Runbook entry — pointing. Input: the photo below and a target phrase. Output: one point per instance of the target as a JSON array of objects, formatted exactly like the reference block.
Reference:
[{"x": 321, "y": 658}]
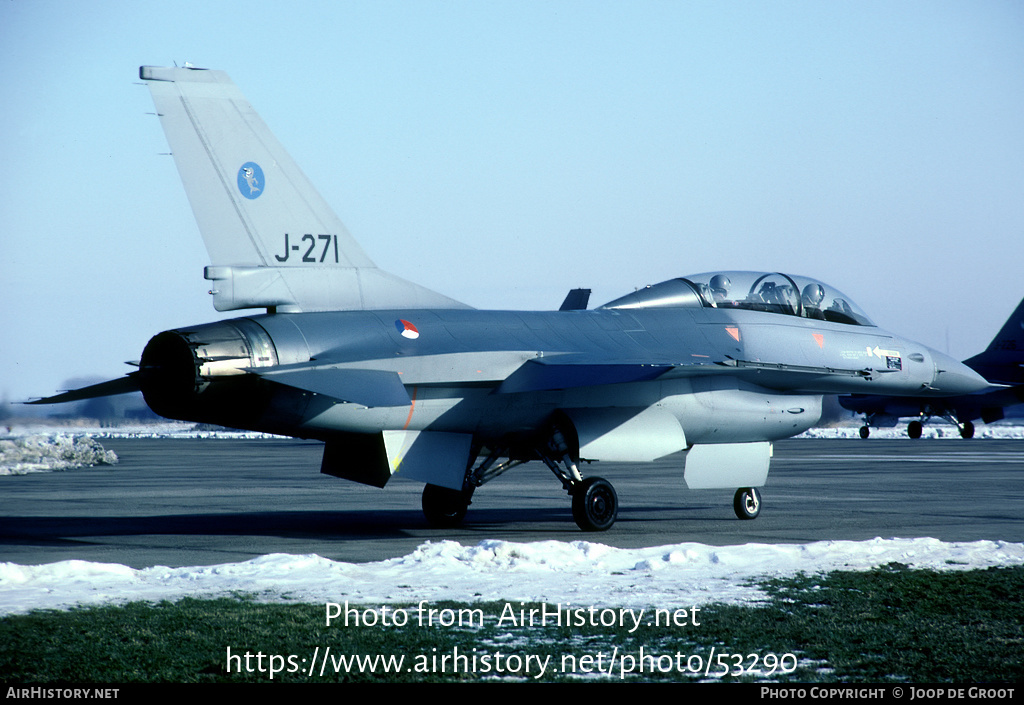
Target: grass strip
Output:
[{"x": 888, "y": 624}]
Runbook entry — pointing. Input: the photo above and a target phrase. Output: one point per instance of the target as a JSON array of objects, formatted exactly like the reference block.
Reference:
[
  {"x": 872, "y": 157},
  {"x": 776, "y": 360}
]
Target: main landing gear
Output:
[
  {"x": 445, "y": 508},
  {"x": 965, "y": 428},
  {"x": 595, "y": 505},
  {"x": 594, "y": 502},
  {"x": 916, "y": 427}
]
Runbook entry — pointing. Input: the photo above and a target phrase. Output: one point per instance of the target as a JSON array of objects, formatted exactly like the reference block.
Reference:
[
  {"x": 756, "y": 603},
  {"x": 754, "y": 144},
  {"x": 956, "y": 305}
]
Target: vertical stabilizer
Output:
[
  {"x": 272, "y": 239},
  {"x": 1003, "y": 359}
]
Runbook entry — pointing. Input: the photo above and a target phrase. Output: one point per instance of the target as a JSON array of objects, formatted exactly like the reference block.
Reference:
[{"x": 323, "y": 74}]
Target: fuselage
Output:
[{"x": 728, "y": 375}]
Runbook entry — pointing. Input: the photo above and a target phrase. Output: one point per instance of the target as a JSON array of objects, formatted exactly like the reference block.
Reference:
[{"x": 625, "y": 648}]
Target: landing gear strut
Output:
[
  {"x": 594, "y": 502},
  {"x": 595, "y": 506},
  {"x": 965, "y": 428}
]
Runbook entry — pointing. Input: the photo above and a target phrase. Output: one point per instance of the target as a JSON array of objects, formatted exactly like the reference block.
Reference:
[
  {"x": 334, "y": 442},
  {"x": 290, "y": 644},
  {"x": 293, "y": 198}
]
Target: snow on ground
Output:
[
  {"x": 19, "y": 456},
  {"x": 155, "y": 429},
  {"x": 26, "y": 449},
  {"x": 581, "y": 573},
  {"x": 181, "y": 429},
  {"x": 939, "y": 430}
]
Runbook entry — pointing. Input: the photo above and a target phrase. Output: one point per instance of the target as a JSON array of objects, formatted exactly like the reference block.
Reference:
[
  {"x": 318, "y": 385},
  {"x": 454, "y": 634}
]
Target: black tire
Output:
[
  {"x": 967, "y": 430},
  {"x": 914, "y": 429},
  {"x": 595, "y": 505},
  {"x": 865, "y": 431},
  {"x": 747, "y": 503},
  {"x": 444, "y": 508}
]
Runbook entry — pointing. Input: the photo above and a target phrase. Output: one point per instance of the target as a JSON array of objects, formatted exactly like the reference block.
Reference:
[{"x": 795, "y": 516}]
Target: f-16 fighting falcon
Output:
[
  {"x": 1001, "y": 363},
  {"x": 397, "y": 379}
]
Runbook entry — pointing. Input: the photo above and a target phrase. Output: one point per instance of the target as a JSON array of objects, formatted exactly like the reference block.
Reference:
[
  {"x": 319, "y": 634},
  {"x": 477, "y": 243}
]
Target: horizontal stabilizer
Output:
[
  {"x": 365, "y": 387},
  {"x": 122, "y": 385}
]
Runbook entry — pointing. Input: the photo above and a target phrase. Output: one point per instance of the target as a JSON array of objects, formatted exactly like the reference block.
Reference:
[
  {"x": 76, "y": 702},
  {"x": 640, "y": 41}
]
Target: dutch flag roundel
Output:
[{"x": 407, "y": 330}]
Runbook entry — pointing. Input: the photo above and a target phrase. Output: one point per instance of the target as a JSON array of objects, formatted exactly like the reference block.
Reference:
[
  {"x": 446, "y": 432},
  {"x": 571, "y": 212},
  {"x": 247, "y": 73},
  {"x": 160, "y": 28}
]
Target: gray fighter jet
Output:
[
  {"x": 1002, "y": 364},
  {"x": 395, "y": 378}
]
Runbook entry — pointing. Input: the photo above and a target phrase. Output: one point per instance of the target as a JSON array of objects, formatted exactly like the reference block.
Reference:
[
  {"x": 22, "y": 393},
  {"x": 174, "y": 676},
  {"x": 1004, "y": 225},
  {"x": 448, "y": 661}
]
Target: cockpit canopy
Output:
[{"x": 772, "y": 292}]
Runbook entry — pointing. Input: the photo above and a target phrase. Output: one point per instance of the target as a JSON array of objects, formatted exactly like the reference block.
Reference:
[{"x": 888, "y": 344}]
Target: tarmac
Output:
[{"x": 190, "y": 502}]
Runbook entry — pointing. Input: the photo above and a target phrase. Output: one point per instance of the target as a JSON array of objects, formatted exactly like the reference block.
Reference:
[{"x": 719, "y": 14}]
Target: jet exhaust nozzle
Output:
[{"x": 183, "y": 371}]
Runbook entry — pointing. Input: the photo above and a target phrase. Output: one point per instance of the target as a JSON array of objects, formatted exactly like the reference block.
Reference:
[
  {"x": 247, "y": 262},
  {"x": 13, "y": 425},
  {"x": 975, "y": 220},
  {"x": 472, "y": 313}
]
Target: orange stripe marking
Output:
[{"x": 411, "y": 409}]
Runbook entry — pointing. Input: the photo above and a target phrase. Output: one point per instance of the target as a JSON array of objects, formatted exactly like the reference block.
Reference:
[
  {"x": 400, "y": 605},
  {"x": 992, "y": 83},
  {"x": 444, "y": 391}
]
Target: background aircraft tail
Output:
[
  {"x": 273, "y": 241},
  {"x": 1003, "y": 359}
]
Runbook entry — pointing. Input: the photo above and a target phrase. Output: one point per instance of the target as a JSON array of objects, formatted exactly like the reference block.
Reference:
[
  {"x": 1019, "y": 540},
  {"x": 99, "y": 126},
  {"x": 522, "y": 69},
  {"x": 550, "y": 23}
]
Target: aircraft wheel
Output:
[
  {"x": 747, "y": 503},
  {"x": 865, "y": 431},
  {"x": 967, "y": 430},
  {"x": 444, "y": 508},
  {"x": 595, "y": 505},
  {"x": 914, "y": 429}
]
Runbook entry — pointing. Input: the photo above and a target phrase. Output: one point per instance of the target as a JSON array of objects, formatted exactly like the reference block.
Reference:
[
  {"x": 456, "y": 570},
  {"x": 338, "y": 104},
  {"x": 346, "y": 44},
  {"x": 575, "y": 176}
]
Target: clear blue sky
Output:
[{"x": 504, "y": 152}]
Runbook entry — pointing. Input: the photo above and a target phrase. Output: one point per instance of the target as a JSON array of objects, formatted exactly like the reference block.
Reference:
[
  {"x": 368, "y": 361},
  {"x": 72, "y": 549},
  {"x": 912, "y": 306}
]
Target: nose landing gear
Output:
[{"x": 747, "y": 503}]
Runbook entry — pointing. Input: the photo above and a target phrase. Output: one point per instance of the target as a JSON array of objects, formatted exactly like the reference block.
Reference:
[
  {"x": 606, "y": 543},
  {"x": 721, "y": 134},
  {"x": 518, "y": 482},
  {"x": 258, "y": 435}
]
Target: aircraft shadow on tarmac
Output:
[{"x": 322, "y": 525}]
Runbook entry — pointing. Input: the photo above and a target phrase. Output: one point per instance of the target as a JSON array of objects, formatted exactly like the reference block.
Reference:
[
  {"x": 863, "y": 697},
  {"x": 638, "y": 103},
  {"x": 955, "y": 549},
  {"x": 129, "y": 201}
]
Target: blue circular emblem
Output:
[{"x": 250, "y": 180}]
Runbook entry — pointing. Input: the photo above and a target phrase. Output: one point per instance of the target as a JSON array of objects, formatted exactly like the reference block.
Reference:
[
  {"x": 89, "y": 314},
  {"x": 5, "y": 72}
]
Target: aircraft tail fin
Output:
[
  {"x": 272, "y": 239},
  {"x": 1003, "y": 359}
]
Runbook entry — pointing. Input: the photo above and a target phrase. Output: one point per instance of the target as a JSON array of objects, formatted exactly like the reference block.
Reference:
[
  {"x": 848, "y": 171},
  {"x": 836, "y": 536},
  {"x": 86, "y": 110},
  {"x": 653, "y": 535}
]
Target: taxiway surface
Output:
[{"x": 181, "y": 502}]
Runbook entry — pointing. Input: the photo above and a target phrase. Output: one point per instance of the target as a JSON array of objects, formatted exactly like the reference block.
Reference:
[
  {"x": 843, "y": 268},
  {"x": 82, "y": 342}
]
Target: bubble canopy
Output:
[{"x": 771, "y": 292}]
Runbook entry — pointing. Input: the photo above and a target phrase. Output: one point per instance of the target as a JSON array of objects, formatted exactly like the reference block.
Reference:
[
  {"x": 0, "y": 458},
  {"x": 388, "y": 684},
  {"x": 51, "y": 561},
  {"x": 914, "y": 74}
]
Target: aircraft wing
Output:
[
  {"x": 376, "y": 387},
  {"x": 366, "y": 387}
]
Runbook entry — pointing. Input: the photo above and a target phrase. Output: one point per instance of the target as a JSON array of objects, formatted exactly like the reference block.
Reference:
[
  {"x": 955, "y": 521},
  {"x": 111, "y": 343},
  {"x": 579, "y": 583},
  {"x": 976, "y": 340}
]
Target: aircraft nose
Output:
[{"x": 954, "y": 378}]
